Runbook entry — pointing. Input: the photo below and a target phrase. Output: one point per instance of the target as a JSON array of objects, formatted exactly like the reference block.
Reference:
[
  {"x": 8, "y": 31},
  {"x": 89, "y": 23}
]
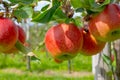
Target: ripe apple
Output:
[
  {"x": 8, "y": 34},
  {"x": 21, "y": 38},
  {"x": 106, "y": 25},
  {"x": 91, "y": 45},
  {"x": 63, "y": 41}
]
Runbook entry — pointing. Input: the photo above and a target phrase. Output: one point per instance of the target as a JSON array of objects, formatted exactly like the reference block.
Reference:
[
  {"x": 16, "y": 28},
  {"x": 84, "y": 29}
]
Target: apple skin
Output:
[
  {"x": 91, "y": 45},
  {"x": 21, "y": 38},
  {"x": 105, "y": 26},
  {"x": 8, "y": 34},
  {"x": 63, "y": 41},
  {"x": 21, "y": 35}
]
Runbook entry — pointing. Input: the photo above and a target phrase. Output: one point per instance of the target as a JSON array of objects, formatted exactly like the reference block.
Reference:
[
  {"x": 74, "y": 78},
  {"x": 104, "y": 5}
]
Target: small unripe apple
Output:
[
  {"x": 105, "y": 26},
  {"x": 63, "y": 41},
  {"x": 91, "y": 45},
  {"x": 21, "y": 38},
  {"x": 8, "y": 34}
]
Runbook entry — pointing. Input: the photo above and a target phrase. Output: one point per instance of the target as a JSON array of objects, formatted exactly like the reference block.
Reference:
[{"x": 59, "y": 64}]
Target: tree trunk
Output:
[
  {"x": 26, "y": 28},
  {"x": 117, "y": 48},
  {"x": 101, "y": 68}
]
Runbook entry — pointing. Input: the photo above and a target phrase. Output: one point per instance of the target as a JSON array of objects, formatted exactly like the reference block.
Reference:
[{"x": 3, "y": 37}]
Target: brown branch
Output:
[{"x": 67, "y": 8}]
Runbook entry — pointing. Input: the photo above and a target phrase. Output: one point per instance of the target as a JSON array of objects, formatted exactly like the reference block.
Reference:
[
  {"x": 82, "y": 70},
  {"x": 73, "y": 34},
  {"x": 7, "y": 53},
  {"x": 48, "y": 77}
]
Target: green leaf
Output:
[
  {"x": 33, "y": 57},
  {"x": 21, "y": 47},
  {"x": 98, "y": 7},
  {"x": 78, "y": 22},
  {"x": 80, "y": 3},
  {"x": 55, "y": 2},
  {"x": 23, "y": 12},
  {"x": 46, "y": 15},
  {"x": 59, "y": 16},
  {"x": 107, "y": 60},
  {"x": 45, "y": 7},
  {"x": 26, "y": 2},
  {"x": 79, "y": 10},
  {"x": 109, "y": 73},
  {"x": 89, "y": 4},
  {"x": 113, "y": 53}
]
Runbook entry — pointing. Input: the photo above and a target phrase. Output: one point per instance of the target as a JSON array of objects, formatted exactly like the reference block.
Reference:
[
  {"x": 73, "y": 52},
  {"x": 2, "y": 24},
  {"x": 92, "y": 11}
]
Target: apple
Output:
[
  {"x": 21, "y": 38},
  {"x": 63, "y": 41},
  {"x": 105, "y": 26},
  {"x": 91, "y": 45},
  {"x": 8, "y": 34}
]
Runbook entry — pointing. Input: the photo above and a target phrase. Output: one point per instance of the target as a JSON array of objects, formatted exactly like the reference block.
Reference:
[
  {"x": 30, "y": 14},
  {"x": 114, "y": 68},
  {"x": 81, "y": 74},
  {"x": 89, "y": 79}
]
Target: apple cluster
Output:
[
  {"x": 10, "y": 33},
  {"x": 65, "y": 41}
]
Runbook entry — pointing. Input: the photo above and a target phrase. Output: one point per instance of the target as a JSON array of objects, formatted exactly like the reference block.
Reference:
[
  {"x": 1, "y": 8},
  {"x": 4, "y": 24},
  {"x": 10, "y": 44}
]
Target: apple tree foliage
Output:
[{"x": 76, "y": 11}]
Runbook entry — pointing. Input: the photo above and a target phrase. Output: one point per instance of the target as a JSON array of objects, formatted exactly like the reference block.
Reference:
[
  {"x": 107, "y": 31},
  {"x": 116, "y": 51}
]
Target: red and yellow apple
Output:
[
  {"x": 105, "y": 26},
  {"x": 63, "y": 41},
  {"x": 91, "y": 45},
  {"x": 8, "y": 34},
  {"x": 21, "y": 38}
]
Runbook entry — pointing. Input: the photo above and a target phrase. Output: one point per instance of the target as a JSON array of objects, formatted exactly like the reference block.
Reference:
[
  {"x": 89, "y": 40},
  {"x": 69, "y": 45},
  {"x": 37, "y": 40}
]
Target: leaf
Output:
[
  {"x": 45, "y": 7},
  {"x": 25, "y": 50},
  {"x": 79, "y": 10},
  {"x": 23, "y": 12},
  {"x": 33, "y": 57},
  {"x": 46, "y": 15},
  {"x": 21, "y": 47},
  {"x": 97, "y": 7},
  {"x": 107, "y": 60},
  {"x": 113, "y": 53},
  {"x": 59, "y": 16},
  {"x": 35, "y": 13},
  {"x": 109, "y": 73},
  {"x": 55, "y": 2},
  {"x": 78, "y": 22},
  {"x": 80, "y": 3},
  {"x": 89, "y": 5},
  {"x": 26, "y": 2}
]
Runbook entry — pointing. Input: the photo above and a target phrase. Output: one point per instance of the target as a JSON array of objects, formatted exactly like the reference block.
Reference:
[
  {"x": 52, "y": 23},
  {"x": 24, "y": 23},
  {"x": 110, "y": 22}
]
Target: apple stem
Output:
[
  {"x": 86, "y": 28},
  {"x": 99, "y": 1},
  {"x": 6, "y": 6}
]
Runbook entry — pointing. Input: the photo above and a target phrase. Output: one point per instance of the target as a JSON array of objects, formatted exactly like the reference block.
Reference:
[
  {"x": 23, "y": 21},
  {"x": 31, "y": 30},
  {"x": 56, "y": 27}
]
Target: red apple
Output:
[
  {"x": 63, "y": 41},
  {"x": 91, "y": 45},
  {"x": 106, "y": 25},
  {"x": 21, "y": 38},
  {"x": 8, "y": 34}
]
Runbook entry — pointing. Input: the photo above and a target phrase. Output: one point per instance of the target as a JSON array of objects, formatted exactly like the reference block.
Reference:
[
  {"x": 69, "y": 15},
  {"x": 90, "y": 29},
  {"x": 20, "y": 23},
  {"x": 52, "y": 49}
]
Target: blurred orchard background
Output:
[{"x": 17, "y": 66}]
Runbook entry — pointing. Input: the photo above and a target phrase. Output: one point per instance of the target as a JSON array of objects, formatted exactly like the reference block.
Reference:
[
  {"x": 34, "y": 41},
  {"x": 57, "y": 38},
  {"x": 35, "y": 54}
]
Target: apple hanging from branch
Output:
[
  {"x": 8, "y": 34},
  {"x": 105, "y": 26},
  {"x": 63, "y": 41},
  {"x": 91, "y": 45},
  {"x": 21, "y": 38}
]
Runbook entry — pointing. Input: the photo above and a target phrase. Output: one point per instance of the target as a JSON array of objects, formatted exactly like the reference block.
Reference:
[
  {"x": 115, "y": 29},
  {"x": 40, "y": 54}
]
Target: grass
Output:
[
  {"x": 79, "y": 63},
  {"x": 26, "y": 76},
  {"x": 18, "y": 62}
]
